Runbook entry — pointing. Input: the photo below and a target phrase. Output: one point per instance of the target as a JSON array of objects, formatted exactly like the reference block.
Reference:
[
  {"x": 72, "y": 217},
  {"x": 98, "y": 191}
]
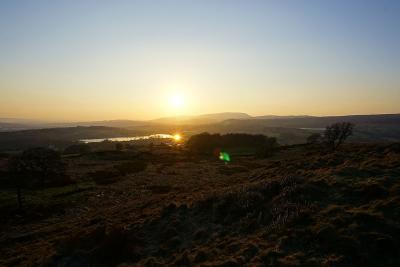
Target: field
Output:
[{"x": 300, "y": 207}]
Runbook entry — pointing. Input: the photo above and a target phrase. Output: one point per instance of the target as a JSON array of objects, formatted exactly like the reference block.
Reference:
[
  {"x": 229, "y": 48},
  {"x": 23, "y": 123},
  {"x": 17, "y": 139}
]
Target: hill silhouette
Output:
[{"x": 203, "y": 119}]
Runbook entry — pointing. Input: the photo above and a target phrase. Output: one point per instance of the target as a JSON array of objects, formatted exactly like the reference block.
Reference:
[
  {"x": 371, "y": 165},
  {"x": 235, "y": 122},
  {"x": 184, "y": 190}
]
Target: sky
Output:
[{"x": 99, "y": 60}]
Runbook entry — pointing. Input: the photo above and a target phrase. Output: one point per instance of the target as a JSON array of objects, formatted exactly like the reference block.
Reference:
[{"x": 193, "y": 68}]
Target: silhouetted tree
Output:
[
  {"x": 335, "y": 134},
  {"x": 18, "y": 175},
  {"x": 36, "y": 166},
  {"x": 314, "y": 138}
]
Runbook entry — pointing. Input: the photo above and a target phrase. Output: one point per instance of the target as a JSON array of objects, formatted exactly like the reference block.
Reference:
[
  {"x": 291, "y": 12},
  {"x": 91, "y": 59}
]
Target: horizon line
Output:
[{"x": 182, "y": 116}]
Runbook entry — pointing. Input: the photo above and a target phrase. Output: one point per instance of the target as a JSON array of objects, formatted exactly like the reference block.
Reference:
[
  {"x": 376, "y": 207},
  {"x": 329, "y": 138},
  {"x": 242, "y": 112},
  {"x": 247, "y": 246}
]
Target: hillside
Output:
[
  {"x": 57, "y": 137},
  {"x": 302, "y": 207},
  {"x": 10, "y": 124},
  {"x": 288, "y": 130},
  {"x": 6, "y": 126}
]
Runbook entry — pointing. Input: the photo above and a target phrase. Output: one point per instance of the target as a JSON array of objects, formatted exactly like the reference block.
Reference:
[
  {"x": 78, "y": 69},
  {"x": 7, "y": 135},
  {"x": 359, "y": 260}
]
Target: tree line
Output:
[{"x": 206, "y": 143}]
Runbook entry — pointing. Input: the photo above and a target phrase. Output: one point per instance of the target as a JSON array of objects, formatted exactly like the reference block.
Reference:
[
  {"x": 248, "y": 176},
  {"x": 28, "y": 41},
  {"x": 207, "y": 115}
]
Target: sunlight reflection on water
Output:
[{"x": 132, "y": 138}]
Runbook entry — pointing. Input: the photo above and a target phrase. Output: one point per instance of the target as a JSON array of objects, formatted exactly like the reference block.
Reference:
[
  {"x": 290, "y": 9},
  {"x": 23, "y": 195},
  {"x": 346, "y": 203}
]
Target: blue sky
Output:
[{"x": 78, "y": 60}]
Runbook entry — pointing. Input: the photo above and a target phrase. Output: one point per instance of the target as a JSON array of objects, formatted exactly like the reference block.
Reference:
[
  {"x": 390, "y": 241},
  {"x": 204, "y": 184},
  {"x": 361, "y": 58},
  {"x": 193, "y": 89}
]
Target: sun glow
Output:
[
  {"x": 177, "y": 137},
  {"x": 176, "y": 101}
]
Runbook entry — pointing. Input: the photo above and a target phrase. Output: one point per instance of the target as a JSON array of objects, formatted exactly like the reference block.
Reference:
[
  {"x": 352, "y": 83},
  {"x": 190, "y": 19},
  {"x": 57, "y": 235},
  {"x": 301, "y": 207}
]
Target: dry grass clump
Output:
[
  {"x": 131, "y": 167},
  {"x": 115, "y": 173},
  {"x": 270, "y": 203},
  {"x": 99, "y": 246},
  {"x": 105, "y": 177}
]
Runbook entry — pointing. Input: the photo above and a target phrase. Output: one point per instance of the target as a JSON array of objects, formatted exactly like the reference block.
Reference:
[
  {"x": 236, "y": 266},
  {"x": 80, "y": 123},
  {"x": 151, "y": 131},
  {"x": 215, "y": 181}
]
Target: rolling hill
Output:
[{"x": 287, "y": 129}]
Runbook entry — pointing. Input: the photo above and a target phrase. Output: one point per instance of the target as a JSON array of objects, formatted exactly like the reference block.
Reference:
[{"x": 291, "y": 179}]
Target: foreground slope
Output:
[{"x": 302, "y": 207}]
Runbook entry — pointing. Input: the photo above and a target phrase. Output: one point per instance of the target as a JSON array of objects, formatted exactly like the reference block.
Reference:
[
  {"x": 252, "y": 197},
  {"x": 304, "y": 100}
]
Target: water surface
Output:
[{"x": 129, "y": 138}]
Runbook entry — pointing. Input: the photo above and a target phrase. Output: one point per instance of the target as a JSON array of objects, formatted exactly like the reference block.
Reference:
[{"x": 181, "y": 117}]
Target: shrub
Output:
[
  {"x": 131, "y": 167},
  {"x": 78, "y": 149}
]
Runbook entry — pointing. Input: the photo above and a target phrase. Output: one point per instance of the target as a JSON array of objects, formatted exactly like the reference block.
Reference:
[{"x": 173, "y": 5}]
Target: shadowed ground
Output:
[{"x": 301, "y": 207}]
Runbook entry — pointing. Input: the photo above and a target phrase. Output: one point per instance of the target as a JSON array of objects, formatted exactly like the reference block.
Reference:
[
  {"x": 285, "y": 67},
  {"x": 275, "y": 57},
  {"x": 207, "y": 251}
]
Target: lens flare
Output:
[{"x": 224, "y": 156}]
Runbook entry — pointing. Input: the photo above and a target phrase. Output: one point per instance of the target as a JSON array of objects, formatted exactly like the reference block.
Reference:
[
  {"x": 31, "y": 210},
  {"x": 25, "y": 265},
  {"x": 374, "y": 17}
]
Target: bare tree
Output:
[
  {"x": 335, "y": 134},
  {"x": 18, "y": 175},
  {"x": 35, "y": 166}
]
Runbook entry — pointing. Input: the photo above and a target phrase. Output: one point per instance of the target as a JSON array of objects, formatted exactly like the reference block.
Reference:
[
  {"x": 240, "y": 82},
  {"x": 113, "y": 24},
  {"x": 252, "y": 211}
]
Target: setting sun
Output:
[
  {"x": 177, "y": 137},
  {"x": 176, "y": 100}
]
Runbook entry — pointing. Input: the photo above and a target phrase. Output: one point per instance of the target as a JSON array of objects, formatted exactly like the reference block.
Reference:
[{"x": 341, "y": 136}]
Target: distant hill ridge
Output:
[
  {"x": 9, "y": 124},
  {"x": 203, "y": 119},
  {"x": 287, "y": 129}
]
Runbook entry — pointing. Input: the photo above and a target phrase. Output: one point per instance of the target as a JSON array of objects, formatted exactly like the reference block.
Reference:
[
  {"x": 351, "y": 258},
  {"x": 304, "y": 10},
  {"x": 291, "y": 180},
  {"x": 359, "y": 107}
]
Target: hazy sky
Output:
[{"x": 87, "y": 60}]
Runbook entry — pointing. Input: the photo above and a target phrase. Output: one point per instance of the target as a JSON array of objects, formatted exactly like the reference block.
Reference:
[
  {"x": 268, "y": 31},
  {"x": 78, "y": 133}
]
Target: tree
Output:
[
  {"x": 206, "y": 143},
  {"x": 335, "y": 134},
  {"x": 18, "y": 173},
  {"x": 314, "y": 138},
  {"x": 35, "y": 166}
]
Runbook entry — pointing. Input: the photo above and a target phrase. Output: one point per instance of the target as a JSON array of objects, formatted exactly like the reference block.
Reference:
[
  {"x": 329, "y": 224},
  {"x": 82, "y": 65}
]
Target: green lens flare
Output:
[{"x": 224, "y": 156}]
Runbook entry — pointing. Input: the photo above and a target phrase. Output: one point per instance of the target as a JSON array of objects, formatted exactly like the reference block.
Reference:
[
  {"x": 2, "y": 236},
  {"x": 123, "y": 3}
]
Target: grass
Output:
[
  {"x": 44, "y": 199},
  {"x": 242, "y": 151},
  {"x": 300, "y": 207}
]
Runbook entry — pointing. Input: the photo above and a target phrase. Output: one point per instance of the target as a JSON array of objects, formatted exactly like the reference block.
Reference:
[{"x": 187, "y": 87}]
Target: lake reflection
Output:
[{"x": 132, "y": 138}]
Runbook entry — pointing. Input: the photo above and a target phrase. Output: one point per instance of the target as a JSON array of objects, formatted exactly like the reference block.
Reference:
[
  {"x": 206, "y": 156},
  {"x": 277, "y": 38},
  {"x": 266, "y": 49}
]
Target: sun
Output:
[
  {"x": 177, "y": 137},
  {"x": 176, "y": 101}
]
